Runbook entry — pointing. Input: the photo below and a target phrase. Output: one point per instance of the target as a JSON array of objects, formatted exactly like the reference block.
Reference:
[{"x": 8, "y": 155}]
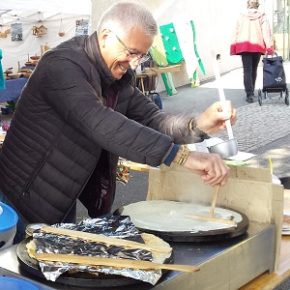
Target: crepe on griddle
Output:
[{"x": 175, "y": 216}]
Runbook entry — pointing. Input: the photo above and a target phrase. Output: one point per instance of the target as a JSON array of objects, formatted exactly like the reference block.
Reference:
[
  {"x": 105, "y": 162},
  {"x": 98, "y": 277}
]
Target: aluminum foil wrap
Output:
[{"x": 112, "y": 226}]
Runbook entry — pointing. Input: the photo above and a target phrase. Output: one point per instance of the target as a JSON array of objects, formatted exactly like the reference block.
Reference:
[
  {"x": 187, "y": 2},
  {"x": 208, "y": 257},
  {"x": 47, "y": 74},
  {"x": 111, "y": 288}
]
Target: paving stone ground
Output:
[{"x": 257, "y": 126}]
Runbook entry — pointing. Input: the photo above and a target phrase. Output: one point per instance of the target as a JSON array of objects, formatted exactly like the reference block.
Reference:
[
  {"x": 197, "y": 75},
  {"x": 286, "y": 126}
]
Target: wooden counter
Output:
[
  {"x": 165, "y": 69},
  {"x": 155, "y": 71},
  {"x": 269, "y": 281}
]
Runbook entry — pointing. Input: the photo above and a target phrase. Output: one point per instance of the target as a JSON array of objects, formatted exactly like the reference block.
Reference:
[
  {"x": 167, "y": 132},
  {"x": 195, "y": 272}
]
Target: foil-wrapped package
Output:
[{"x": 112, "y": 226}]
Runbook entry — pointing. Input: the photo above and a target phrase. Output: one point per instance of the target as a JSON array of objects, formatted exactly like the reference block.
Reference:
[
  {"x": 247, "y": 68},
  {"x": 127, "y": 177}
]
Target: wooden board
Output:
[{"x": 165, "y": 69}]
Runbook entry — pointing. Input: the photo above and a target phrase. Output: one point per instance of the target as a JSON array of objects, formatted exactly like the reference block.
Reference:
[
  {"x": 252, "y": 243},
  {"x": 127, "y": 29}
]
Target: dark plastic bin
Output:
[{"x": 285, "y": 181}]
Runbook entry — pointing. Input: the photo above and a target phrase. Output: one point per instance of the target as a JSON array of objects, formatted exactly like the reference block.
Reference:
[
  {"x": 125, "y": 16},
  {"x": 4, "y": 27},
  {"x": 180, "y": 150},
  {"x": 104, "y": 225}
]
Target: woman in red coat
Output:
[{"x": 252, "y": 39}]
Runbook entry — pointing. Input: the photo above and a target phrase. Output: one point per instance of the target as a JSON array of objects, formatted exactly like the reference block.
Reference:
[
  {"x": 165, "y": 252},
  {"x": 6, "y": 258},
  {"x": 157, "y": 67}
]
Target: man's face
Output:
[{"x": 123, "y": 51}]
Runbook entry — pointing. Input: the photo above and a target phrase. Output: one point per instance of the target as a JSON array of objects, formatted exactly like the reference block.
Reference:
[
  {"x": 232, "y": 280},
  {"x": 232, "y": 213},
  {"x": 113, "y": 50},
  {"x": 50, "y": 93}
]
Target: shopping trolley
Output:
[{"x": 274, "y": 80}]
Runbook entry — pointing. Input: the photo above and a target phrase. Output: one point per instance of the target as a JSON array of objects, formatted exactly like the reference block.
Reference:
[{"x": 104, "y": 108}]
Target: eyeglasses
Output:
[{"x": 141, "y": 57}]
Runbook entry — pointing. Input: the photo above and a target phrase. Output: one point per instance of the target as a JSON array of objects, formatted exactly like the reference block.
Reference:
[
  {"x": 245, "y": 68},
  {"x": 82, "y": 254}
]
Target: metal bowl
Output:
[{"x": 225, "y": 149}]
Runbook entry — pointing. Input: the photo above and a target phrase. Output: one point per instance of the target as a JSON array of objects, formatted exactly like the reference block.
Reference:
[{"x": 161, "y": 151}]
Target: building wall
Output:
[
  {"x": 214, "y": 22},
  {"x": 281, "y": 23}
]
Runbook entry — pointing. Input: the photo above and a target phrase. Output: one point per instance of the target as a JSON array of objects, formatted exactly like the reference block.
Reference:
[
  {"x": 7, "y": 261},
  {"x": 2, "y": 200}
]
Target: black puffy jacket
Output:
[{"x": 71, "y": 123}]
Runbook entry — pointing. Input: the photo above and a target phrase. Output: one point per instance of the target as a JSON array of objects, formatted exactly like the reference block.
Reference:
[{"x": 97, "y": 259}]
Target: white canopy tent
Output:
[
  {"x": 29, "y": 9},
  {"x": 55, "y": 15}
]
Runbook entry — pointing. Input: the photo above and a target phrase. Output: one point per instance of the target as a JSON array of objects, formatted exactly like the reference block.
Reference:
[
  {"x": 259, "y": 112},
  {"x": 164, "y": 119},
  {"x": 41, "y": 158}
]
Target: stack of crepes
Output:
[{"x": 110, "y": 245}]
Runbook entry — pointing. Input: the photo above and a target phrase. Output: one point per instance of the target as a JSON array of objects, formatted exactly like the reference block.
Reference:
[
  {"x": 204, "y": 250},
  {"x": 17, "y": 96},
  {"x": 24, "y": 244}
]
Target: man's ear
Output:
[{"x": 103, "y": 37}]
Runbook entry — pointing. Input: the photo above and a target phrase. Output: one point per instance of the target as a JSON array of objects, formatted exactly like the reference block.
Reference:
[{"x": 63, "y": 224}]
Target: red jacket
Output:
[{"x": 252, "y": 34}]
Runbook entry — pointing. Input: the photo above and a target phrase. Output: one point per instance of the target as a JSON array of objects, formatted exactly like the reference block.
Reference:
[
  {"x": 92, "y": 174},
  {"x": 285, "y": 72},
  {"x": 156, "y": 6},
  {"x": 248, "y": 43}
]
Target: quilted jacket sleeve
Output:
[{"x": 175, "y": 126}]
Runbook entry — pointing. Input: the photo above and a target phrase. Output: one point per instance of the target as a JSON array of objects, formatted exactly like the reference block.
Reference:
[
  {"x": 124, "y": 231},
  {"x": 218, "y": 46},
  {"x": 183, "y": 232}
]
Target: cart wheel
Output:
[
  {"x": 260, "y": 97},
  {"x": 286, "y": 97}
]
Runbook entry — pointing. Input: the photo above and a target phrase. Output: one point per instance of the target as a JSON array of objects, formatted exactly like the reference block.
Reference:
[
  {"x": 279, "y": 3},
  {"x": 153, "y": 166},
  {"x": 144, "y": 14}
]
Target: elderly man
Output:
[{"x": 79, "y": 113}]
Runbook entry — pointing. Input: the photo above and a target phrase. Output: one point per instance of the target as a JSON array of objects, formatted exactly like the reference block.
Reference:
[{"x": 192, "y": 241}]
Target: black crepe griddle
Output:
[
  {"x": 78, "y": 279},
  {"x": 201, "y": 236}
]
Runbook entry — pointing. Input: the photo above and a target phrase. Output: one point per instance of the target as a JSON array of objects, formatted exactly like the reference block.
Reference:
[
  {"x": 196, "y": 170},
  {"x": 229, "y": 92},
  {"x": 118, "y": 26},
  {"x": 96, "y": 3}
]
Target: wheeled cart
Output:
[{"x": 274, "y": 80}]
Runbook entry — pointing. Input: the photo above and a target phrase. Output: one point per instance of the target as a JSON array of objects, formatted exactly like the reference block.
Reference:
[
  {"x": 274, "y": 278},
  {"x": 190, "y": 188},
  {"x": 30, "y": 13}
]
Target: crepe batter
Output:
[{"x": 173, "y": 216}]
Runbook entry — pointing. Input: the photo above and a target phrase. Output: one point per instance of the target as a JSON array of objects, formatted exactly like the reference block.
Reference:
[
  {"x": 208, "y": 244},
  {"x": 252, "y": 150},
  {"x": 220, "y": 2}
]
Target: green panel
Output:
[
  {"x": 2, "y": 80},
  {"x": 200, "y": 63},
  {"x": 171, "y": 44},
  {"x": 166, "y": 84}
]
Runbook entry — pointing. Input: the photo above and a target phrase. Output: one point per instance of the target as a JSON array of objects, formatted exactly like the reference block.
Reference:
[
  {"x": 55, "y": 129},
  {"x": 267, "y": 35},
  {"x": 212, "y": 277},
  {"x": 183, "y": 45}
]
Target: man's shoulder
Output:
[{"x": 71, "y": 49}]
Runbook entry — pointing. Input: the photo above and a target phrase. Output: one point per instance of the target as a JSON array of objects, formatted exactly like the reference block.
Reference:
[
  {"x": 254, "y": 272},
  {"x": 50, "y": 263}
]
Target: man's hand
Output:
[
  {"x": 210, "y": 167},
  {"x": 213, "y": 118}
]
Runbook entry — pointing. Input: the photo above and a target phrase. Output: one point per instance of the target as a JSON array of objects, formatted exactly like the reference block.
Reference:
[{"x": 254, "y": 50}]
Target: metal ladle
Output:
[{"x": 227, "y": 148}]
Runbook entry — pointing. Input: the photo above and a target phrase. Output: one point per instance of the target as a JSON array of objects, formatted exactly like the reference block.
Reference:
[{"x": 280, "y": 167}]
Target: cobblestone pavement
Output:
[
  {"x": 257, "y": 126},
  {"x": 265, "y": 131}
]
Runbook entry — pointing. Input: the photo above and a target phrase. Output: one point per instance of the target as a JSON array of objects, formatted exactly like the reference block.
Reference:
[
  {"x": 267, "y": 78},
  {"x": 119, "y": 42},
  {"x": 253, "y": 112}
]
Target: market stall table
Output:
[
  {"x": 227, "y": 264},
  {"x": 248, "y": 253},
  {"x": 274, "y": 279},
  {"x": 13, "y": 90}
]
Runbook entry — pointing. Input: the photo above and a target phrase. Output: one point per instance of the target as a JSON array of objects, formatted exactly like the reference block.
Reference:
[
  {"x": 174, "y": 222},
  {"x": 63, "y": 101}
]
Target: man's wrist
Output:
[
  {"x": 172, "y": 154},
  {"x": 182, "y": 155}
]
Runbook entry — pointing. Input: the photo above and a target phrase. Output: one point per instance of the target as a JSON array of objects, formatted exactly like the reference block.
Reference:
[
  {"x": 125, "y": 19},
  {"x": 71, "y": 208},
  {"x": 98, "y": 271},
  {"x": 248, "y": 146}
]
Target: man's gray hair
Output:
[{"x": 126, "y": 15}]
